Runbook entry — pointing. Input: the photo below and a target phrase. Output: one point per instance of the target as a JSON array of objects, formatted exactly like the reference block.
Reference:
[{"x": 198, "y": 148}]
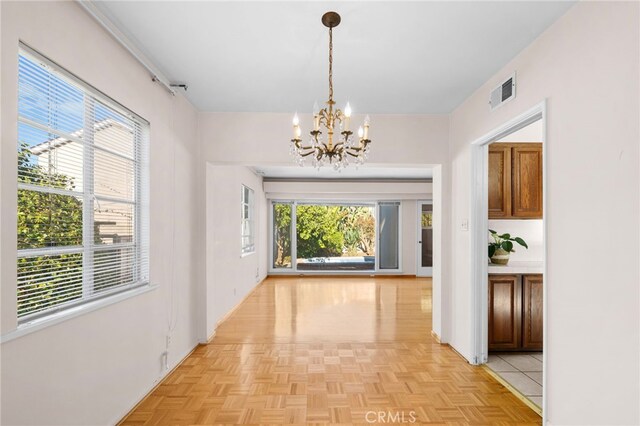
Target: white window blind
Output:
[
  {"x": 247, "y": 233},
  {"x": 82, "y": 191}
]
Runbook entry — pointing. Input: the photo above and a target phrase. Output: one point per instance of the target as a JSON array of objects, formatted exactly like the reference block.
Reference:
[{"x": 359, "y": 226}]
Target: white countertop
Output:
[{"x": 517, "y": 267}]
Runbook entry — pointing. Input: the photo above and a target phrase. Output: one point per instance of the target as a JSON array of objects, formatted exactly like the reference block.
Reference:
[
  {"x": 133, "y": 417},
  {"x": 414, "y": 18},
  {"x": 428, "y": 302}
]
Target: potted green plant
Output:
[{"x": 502, "y": 246}]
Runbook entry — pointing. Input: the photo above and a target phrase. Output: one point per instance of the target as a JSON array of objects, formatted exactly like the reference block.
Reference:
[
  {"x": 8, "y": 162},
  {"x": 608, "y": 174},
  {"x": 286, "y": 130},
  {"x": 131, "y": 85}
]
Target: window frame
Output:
[
  {"x": 90, "y": 296},
  {"x": 293, "y": 270},
  {"x": 247, "y": 204}
]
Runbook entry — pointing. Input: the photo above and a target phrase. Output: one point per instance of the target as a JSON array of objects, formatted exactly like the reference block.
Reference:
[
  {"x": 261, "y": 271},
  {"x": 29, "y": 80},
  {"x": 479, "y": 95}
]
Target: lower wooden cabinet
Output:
[
  {"x": 504, "y": 316},
  {"x": 532, "y": 312},
  {"x": 515, "y": 312}
]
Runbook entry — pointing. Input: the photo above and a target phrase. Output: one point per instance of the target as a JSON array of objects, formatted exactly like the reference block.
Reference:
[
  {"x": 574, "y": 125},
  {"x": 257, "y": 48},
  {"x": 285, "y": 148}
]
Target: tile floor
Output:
[{"x": 522, "y": 370}]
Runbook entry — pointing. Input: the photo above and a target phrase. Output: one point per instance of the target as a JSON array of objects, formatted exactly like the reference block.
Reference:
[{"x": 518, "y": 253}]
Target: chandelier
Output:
[{"x": 322, "y": 148}]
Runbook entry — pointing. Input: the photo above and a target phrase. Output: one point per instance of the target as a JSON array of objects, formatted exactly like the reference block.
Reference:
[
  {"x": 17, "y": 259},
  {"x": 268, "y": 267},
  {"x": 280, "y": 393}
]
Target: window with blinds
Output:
[
  {"x": 82, "y": 191},
  {"x": 247, "y": 233}
]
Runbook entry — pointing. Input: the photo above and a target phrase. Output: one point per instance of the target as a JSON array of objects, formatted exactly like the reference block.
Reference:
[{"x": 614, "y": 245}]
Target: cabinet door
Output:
[
  {"x": 499, "y": 181},
  {"x": 527, "y": 181},
  {"x": 505, "y": 320},
  {"x": 532, "y": 312}
]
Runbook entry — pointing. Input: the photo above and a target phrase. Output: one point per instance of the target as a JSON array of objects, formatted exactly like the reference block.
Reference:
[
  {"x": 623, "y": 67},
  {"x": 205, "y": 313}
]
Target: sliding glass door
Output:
[{"x": 334, "y": 237}]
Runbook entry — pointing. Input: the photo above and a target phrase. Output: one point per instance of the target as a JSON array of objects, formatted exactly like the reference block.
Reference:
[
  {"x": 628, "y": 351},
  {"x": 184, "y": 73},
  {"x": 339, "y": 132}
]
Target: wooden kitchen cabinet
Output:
[
  {"x": 505, "y": 321},
  {"x": 532, "y": 312},
  {"x": 499, "y": 181},
  {"x": 515, "y": 312},
  {"x": 515, "y": 181}
]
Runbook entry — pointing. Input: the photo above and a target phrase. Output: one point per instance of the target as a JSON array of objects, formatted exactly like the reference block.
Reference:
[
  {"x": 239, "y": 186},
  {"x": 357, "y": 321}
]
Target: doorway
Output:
[
  {"x": 521, "y": 282},
  {"x": 424, "y": 248}
]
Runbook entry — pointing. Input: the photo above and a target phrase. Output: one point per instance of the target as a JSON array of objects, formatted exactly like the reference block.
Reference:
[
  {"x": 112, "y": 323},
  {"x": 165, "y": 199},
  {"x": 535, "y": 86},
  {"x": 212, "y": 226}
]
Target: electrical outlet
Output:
[
  {"x": 165, "y": 360},
  {"x": 464, "y": 226}
]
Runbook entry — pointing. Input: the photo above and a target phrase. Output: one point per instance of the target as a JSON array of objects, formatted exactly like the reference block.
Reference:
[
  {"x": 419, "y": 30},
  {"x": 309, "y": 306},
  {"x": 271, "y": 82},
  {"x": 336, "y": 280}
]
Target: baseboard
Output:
[
  {"x": 436, "y": 337},
  {"x": 235, "y": 308},
  {"x": 457, "y": 353},
  {"x": 359, "y": 275},
  {"x": 157, "y": 384},
  {"x": 513, "y": 390}
]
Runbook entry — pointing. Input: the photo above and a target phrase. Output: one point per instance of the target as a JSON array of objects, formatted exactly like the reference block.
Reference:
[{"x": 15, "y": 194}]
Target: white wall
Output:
[
  {"x": 264, "y": 138},
  {"x": 231, "y": 276},
  {"x": 586, "y": 65},
  {"x": 93, "y": 368},
  {"x": 440, "y": 259}
]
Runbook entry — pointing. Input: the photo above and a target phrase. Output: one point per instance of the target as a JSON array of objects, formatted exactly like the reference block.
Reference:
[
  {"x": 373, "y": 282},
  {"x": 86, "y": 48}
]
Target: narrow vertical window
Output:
[
  {"x": 389, "y": 235},
  {"x": 248, "y": 221},
  {"x": 282, "y": 227},
  {"x": 82, "y": 209}
]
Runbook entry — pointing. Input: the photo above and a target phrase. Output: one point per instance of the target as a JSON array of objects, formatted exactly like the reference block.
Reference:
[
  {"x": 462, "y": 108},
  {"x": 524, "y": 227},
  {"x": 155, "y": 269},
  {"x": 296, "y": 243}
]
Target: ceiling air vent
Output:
[{"x": 503, "y": 93}]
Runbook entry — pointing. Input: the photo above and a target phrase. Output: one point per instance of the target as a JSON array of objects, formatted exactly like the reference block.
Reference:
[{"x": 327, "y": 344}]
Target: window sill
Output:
[
  {"x": 247, "y": 254},
  {"x": 58, "y": 317}
]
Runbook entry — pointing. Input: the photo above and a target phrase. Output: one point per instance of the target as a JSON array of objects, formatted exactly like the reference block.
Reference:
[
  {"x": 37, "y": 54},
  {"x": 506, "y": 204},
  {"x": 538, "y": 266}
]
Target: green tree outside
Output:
[
  {"x": 47, "y": 220},
  {"x": 332, "y": 231},
  {"x": 282, "y": 235},
  {"x": 317, "y": 231}
]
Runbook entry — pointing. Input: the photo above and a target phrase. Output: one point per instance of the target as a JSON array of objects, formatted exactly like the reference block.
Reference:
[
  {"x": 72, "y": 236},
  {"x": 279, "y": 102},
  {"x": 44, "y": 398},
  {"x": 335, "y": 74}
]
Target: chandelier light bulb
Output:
[
  {"x": 296, "y": 120},
  {"x": 360, "y": 132},
  {"x": 347, "y": 118},
  {"x": 367, "y": 120},
  {"x": 316, "y": 117}
]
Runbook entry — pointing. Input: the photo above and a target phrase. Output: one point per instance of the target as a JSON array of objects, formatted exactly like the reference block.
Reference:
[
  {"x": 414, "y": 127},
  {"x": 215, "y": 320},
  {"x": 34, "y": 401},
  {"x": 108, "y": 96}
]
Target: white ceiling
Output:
[
  {"x": 363, "y": 172},
  {"x": 389, "y": 57}
]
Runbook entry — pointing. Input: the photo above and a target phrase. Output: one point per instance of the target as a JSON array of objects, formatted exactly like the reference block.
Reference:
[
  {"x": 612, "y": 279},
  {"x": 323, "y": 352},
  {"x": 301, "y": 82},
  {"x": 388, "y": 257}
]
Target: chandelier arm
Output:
[{"x": 298, "y": 144}]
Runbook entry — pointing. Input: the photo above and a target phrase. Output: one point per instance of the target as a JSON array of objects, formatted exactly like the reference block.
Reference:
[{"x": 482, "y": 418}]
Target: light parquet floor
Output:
[{"x": 330, "y": 350}]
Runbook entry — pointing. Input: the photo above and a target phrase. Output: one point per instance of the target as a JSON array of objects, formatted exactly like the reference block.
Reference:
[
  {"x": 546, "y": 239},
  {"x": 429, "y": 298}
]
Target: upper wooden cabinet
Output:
[
  {"x": 499, "y": 181},
  {"x": 515, "y": 181}
]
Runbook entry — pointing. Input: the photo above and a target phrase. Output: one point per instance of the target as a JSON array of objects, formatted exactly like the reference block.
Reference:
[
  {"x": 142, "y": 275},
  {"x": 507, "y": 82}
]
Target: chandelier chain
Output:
[{"x": 330, "y": 64}]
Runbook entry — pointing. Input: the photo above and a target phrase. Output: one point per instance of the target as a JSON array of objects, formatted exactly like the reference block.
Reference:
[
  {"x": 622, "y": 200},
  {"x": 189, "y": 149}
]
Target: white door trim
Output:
[{"x": 478, "y": 226}]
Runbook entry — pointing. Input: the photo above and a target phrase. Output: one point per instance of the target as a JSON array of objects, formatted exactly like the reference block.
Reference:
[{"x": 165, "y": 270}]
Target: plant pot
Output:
[{"x": 500, "y": 257}]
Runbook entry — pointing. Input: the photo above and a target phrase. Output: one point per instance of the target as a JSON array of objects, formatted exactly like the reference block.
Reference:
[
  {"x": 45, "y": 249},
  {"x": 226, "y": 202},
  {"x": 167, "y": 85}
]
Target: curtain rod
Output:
[{"x": 90, "y": 7}]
